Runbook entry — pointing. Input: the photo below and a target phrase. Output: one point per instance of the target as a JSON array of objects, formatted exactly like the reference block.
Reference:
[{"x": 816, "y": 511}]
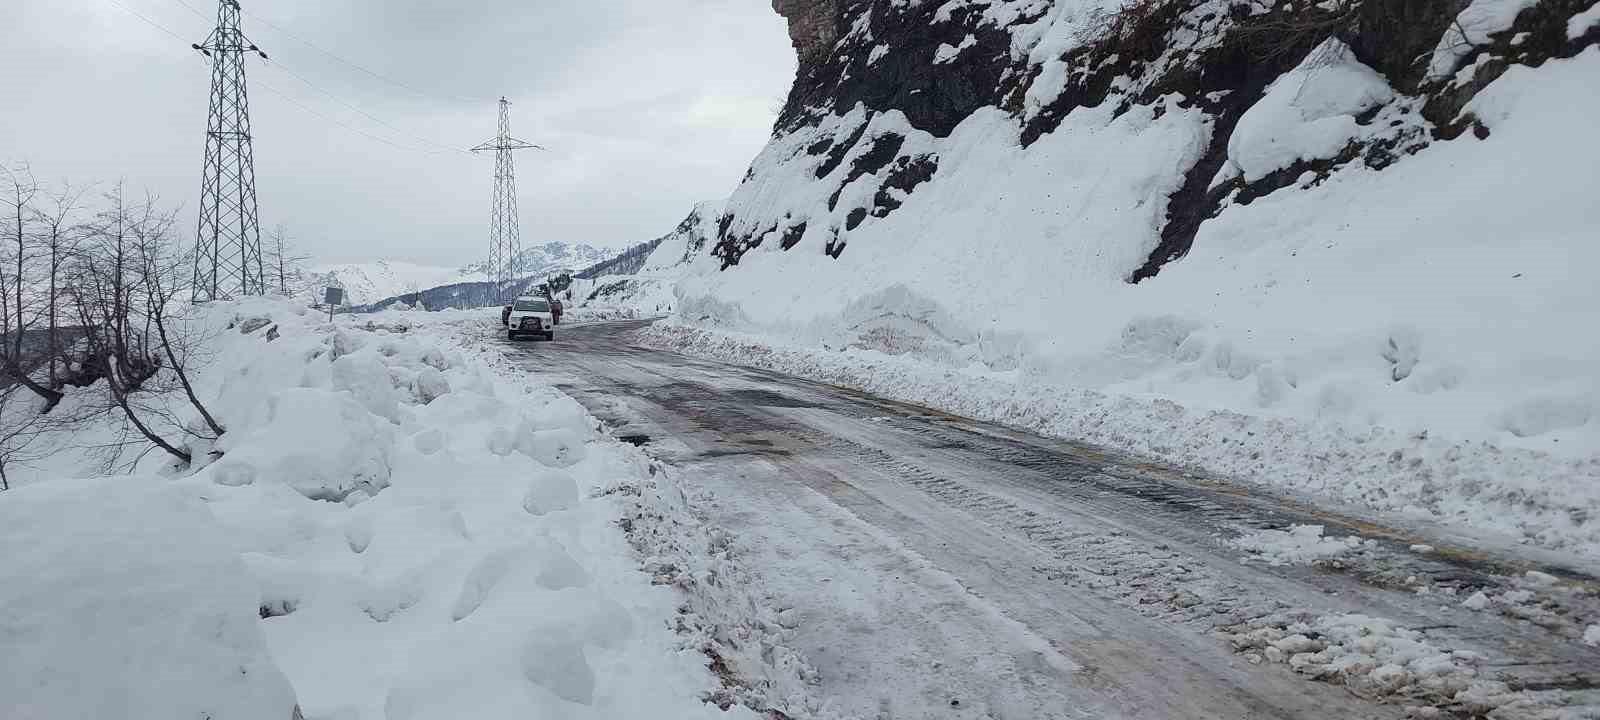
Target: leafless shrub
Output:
[
  {"x": 1134, "y": 32},
  {"x": 1296, "y": 25}
]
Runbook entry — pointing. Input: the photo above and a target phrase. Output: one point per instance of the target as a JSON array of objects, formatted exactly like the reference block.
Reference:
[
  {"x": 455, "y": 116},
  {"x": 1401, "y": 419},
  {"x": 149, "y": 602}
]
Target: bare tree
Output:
[
  {"x": 108, "y": 283},
  {"x": 17, "y": 312},
  {"x": 58, "y": 234},
  {"x": 20, "y": 429},
  {"x": 162, "y": 275},
  {"x": 286, "y": 263}
]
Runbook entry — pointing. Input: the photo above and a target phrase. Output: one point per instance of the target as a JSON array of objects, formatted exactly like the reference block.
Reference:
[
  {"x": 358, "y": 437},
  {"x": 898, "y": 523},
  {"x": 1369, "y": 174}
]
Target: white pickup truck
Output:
[{"x": 531, "y": 315}]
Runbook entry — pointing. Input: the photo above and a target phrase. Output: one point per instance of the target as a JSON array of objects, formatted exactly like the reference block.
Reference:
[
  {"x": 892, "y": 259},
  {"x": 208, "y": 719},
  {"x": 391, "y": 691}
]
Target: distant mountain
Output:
[
  {"x": 548, "y": 259},
  {"x": 374, "y": 281}
]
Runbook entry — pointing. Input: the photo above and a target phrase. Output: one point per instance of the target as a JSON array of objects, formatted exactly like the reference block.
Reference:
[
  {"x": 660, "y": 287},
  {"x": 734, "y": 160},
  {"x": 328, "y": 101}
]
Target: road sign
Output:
[{"x": 334, "y": 297}]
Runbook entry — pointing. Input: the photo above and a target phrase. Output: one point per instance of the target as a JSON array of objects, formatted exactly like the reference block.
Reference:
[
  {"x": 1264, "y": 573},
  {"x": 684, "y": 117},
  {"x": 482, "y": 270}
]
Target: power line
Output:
[
  {"x": 192, "y": 9},
  {"x": 364, "y": 113},
  {"x": 375, "y": 74},
  {"x": 290, "y": 99},
  {"x": 148, "y": 21}
]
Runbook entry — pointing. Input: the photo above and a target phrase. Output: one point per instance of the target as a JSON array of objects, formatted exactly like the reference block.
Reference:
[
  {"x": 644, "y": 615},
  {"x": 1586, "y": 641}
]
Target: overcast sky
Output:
[{"x": 646, "y": 106}]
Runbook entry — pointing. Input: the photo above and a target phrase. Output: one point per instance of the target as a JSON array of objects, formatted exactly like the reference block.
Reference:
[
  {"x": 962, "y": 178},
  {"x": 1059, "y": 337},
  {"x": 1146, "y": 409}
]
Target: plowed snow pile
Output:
[{"x": 394, "y": 529}]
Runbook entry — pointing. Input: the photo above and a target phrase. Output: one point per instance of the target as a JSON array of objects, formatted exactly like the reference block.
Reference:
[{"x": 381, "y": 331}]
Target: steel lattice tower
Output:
[
  {"x": 505, "y": 238},
  {"x": 227, "y": 261}
]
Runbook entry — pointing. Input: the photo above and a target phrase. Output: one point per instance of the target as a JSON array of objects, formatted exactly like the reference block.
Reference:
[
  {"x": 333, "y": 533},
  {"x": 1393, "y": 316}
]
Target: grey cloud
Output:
[{"x": 646, "y": 105}]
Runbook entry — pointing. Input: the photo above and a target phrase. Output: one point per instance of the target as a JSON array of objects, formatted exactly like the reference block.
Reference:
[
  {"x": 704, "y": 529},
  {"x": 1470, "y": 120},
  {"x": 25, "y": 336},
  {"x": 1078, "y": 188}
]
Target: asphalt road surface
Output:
[{"x": 948, "y": 568}]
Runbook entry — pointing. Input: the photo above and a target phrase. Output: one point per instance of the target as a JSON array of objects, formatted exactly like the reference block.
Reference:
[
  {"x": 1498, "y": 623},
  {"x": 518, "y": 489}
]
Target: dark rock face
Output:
[
  {"x": 813, "y": 25},
  {"x": 934, "y": 96},
  {"x": 1392, "y": 35}
]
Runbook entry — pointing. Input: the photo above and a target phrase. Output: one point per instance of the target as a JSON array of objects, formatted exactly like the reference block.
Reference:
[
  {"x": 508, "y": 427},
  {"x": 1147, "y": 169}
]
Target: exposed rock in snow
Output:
[
  {"x": 812, "y": 25},
  {"x": 1472, "y": 28}
]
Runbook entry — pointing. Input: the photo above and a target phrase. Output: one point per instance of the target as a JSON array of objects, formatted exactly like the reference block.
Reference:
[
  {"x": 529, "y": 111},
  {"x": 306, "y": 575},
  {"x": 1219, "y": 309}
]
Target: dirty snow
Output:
[
  {"x": 1297, "y": 545},
  {"x": 1372, "y": 656}
]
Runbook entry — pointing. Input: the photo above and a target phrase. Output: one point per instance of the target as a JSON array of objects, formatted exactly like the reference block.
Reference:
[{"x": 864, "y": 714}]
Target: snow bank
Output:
[
  {"x": 124, "y": 598},
  {"x": 416, "y": 528},
  {"x": 1531, "y": 496}
]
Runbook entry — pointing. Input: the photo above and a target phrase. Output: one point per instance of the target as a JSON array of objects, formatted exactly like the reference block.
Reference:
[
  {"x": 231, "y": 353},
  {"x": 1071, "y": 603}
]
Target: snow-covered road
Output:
[{"x": 934, "y": 566}]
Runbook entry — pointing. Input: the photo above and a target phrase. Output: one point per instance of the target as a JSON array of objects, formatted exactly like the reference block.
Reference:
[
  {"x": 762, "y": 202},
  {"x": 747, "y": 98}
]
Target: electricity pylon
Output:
[
  {"x": 227, "y": 261},
  {"x": 505, "y": 238}
]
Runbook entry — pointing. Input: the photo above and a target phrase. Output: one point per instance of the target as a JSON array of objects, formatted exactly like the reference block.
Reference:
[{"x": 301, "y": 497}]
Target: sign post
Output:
[{"x": 334, "y": 297}]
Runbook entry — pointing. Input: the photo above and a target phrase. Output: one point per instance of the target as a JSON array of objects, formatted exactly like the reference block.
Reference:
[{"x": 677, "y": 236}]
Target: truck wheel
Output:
[
  {"x": 511, "y": 335},
  {"x": 550, "y": 335}
]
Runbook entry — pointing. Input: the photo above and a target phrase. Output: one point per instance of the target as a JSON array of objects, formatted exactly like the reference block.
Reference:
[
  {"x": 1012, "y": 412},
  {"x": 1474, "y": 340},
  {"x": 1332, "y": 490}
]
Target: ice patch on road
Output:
[{"x": 1540, "y": 599}]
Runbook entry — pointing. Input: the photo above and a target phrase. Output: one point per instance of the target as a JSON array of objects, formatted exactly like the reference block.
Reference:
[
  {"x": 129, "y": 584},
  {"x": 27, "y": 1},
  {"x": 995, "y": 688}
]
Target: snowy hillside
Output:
[
  {"x": 1193, "y": 209},
  {"x": 651, "y": 288}
]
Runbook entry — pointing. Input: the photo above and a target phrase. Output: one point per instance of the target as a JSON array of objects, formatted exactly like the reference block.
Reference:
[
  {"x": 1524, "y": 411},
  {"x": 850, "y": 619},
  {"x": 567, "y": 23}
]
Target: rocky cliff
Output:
[{"x": 936, "y": 64}]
